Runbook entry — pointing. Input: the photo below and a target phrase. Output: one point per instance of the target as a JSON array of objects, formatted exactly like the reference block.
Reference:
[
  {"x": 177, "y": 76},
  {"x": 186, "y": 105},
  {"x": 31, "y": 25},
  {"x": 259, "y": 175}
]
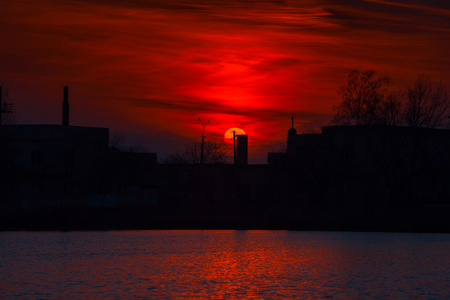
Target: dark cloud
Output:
[
  {"x": 149, "y": 4},
  {"x": 402, "y": 17},
  {"x": 212, "y": 108},
  {"x": 136, "y": 64}
]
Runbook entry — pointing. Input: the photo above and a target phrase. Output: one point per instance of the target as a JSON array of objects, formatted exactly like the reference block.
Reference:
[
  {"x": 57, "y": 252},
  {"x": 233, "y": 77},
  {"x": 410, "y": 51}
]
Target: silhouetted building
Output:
[
  {"x": 48, "y": 161},
  {"x": 241, "y": 150},
  {"x": 65, "y": 107},
  {"x": 369, "y": 166},
  {"x": 48, "y": 165}
]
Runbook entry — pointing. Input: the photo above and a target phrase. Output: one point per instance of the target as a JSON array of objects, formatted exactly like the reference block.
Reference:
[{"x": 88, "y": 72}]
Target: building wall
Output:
[
  {"x": 373, "y": 163},
  {"x": 48, "y": 161},
  {"x": 54, "y": 148}
]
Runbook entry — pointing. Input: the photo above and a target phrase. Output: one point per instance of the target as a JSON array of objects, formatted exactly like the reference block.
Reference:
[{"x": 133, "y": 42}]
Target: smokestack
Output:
[
  {"x": 242, "y": 150},
  {"x": 65, "y": 107}
]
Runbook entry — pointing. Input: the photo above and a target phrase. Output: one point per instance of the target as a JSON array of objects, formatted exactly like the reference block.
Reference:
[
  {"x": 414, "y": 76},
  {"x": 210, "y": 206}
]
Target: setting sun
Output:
[
  {"x": 228, "y": 136},
  {"x": 251, "y": 64}
]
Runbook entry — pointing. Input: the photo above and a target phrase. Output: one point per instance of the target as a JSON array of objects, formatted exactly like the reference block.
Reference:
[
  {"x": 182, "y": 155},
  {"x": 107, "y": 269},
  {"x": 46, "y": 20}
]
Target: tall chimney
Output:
[{"x": 65, "y": 107}]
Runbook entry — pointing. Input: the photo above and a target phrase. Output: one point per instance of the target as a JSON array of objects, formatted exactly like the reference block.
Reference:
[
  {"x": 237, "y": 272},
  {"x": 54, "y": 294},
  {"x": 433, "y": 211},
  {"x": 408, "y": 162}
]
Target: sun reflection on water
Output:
[{"x": 222, "y": 265}]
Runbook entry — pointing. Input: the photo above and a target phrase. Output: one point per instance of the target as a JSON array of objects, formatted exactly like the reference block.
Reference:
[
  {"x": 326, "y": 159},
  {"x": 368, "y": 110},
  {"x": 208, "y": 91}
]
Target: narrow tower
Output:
[
  {"x": 65, "y": 107},
  {"x": 241, "y": 149}
]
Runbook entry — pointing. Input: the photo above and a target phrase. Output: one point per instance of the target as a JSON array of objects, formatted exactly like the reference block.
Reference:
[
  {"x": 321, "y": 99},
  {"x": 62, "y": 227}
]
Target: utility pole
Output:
[{"x": 203, "y": 139}]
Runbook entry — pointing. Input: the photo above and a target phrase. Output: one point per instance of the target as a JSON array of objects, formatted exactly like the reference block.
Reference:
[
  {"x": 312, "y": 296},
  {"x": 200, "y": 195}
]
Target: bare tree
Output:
[
  {"x": 312, "y": 127},
  {"x": 176, "y": 158},
  {"x": 391, "y": 109},
  {"x": 365, "y": 100},
  {"x": 426, "y": 103},
  {"x": 213, "y": 153},
  {"x": 115, "y": 141},
  {"x": 7, "y": 115},
  {"x": 402, "y": 155},
  {"x": 119, "y": 143}
]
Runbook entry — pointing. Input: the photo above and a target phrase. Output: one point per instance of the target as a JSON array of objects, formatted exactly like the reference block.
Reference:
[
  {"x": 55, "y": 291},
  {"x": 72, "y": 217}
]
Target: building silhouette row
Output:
[{"x": 347, "y": 177}]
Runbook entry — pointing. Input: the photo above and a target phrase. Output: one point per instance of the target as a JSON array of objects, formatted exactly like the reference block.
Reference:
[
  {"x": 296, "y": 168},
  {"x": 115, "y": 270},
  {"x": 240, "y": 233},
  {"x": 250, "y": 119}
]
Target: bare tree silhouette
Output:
[
  {"x": 366, "y": 100},
  {"x": 7, "y": 115},
  {"x": 402, "y": 155},
  {"x": 426, "y": 103},
  {"x": 213, "y": 153}
]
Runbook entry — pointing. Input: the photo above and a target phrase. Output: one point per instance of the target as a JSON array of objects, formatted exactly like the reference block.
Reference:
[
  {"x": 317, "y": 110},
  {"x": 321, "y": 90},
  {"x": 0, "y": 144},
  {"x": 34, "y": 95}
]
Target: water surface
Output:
[{"x": 223, "y": 265}]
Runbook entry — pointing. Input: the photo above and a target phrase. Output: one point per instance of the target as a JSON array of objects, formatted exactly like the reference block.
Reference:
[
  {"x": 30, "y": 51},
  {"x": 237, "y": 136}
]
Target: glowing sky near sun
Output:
[{"x": 147, "y": 69}]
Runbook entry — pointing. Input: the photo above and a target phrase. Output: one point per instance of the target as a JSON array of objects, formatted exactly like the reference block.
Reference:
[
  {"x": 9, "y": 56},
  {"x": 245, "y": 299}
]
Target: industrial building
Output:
[
  {"x": 65, "y": 165},
  {"x": 370, "y": 164}
]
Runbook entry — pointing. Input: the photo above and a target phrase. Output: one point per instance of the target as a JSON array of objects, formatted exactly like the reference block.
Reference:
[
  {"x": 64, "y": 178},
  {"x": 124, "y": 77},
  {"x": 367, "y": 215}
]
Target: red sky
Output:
[{"x": 147, "y": 69}]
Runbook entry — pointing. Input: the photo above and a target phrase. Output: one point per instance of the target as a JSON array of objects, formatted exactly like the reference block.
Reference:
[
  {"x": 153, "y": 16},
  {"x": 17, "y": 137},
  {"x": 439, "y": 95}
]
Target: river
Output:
[{"x": 223, "y": 264}]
